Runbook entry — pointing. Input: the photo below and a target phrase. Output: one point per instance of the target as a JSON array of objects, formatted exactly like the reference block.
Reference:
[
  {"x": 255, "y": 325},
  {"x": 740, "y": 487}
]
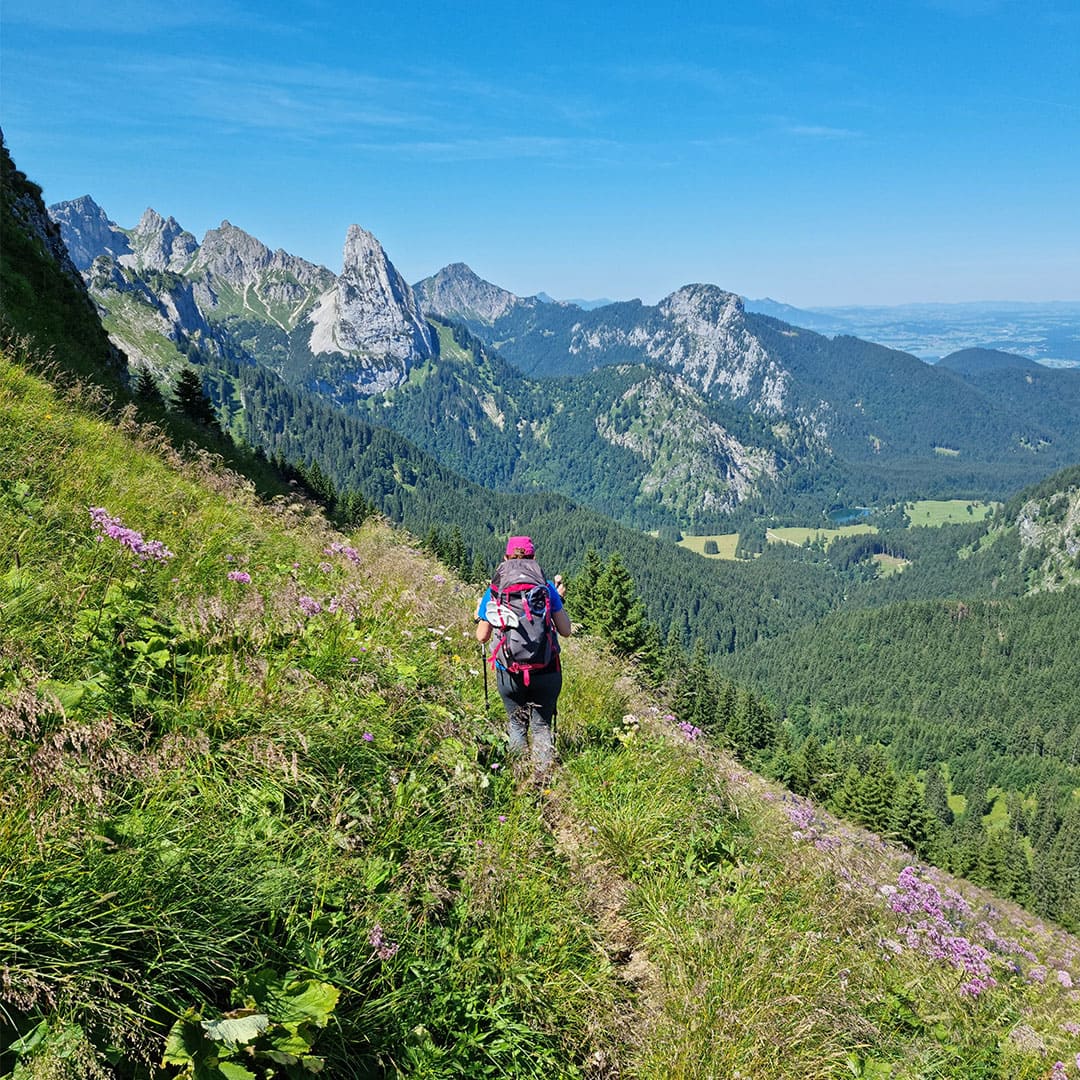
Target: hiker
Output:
[{"x": 525, "y": 613}]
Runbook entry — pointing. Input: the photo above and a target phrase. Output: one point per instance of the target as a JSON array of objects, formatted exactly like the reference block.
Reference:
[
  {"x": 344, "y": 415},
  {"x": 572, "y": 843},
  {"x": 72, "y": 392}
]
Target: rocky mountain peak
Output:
[
  {"x": 87, "y": 231},
  {"x": 371, "y": 310},
  {"x": 159, "y": 243},
  {"x": 704, "y": 303},
  {"x": 233, "y": 255},
  {"x": 457, "y": 292}
]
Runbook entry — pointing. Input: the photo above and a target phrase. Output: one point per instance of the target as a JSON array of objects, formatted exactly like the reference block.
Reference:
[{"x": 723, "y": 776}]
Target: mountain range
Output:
[{"x": 677, "y": 414}]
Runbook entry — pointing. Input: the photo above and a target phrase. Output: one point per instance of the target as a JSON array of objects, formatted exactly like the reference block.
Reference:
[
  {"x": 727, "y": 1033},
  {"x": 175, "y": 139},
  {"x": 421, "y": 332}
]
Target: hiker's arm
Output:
[
  {"x": 483, "y": 631},
  {"x": 561, "y": 621}
]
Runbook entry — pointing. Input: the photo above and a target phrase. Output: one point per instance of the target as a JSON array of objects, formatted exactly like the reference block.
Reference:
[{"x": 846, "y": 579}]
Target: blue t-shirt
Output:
[{"x": 556, "y": 600}]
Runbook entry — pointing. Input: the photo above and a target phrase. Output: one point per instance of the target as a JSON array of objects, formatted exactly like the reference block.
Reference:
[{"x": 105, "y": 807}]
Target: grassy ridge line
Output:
[{"x": 235, "y": 815}]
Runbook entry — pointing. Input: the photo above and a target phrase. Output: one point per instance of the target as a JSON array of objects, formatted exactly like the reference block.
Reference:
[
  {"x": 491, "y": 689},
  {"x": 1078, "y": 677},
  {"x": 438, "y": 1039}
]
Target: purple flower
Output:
[
  {"x": 325, "y": 567},
  {"x": 384, "y": 949},
  {"x": 502, "y": 817},
  {"x": 354, "y": 659},
  {"x": 1057, "y": 1071},
  {"x": 309, "y": 605},
  {"x": 1064, "y": 978},
  {"x": 368, "y": 737},
  {"x": 240, "y": 576},
  {"x": 350, "y": 553},
  {"x": 114, "y": 529},
  {"x": 688, "y": 730},
  {"x": 439, "y": 579}
]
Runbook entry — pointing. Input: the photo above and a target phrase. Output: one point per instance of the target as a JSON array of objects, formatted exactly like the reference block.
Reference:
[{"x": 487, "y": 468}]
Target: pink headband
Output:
[{"x": 520, "y": 543}]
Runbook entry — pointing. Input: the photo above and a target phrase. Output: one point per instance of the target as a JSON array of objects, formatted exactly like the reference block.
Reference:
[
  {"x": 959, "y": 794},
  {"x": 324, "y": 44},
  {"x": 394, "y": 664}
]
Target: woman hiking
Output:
[{"x": 524, "y": 612}]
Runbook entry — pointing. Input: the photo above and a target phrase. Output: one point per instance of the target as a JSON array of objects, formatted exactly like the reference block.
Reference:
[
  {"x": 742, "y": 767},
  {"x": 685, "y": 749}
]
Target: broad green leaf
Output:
[
  {"x": 309, "y": 1001},
  {"x": 236, "y": 1030},
  {"x": 232, "y": 1071},
  {"x": 186, "y": 1043},
  {"x": 31, "y": 1039}
]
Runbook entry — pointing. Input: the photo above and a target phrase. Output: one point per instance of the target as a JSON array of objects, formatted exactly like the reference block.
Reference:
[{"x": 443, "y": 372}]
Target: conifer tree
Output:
[
  {"x": 619, "y": 611},
  {"x": 146, "y": 389},
  {"x": 936, "y": 795},
  {"x": 581, "y": 594},
  {"x": 191, "y": 400},
  {"x": 910, "y": 821}
]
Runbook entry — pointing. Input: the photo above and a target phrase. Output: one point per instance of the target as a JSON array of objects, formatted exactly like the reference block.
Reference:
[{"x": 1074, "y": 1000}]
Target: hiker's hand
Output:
[{"x": 560, "y": 586}]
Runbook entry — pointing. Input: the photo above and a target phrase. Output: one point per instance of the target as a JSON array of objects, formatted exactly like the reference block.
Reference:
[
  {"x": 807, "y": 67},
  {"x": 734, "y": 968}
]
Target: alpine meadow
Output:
[{"x": 816, "y": 811}]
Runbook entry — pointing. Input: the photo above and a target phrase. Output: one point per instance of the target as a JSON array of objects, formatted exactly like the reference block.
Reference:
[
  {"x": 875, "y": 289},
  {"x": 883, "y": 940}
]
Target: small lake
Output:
[{"x": 848, "y": 515}]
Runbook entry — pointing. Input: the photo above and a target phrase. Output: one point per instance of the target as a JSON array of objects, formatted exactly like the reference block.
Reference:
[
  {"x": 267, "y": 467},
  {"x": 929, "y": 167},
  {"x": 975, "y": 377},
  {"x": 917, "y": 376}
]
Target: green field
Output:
[
  {"x": 889, "y": 564},
  {"x": 922, "y": 512},
  {"x": 946, "y": 511},
  {"x": 799, "y": 536},
  {"x": 725, "y": 544}
]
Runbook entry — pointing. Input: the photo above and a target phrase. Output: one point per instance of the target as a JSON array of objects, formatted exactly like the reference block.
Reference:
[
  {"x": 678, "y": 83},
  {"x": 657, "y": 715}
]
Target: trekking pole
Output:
[{"x": 483, "y": 664}]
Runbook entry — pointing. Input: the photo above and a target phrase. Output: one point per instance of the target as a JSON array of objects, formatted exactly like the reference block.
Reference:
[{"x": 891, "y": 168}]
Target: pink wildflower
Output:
[
  {"x": 309, "y": 605},
  {"x": 114, "y": 529},
  {"x": 368, "y": 737},
  {"x": 239, "y": 576},
  {"x": 384, "y": 949},
  {"x": 1064, "y": 978}
]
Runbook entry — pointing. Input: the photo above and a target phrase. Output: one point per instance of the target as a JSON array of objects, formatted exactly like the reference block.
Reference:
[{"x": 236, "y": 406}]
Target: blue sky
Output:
[{"x": 819, "y": 153}]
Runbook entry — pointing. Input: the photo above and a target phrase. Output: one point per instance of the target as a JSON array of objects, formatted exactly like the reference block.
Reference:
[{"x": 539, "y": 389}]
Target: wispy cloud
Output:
[
  {"x": 822, "y": 131},
  {"x": 495, "y": 148}
]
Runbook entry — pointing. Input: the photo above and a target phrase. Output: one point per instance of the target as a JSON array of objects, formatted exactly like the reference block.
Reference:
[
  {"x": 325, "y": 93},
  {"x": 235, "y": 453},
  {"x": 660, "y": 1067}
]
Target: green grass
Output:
[
  {"x": 946, "y": 511},
  {"x": 889, "y": 564},
  {"x": 800, "y": 536},
  {"x": 725, "y": 543},
  {"x": 205, "y": 792}
]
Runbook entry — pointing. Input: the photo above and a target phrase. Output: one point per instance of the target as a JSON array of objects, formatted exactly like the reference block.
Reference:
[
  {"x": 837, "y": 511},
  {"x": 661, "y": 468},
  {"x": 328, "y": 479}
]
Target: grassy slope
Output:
[{"x": 189, "y": 795}]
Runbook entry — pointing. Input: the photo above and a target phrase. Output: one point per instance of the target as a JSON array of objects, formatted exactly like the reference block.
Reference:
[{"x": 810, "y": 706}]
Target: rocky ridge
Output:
[
  {"x": 457, "y": 292},
  {"x": 364, "y": 326}
]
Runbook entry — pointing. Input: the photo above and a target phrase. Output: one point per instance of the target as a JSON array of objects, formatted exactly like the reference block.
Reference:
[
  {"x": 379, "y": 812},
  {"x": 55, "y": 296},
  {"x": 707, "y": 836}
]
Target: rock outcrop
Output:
[
  {"x": 87, "y": 231},
  {"x": 159, "y": 243},
  {"x": 457, "y": 292},
  {"x": 371, "y": 312}
]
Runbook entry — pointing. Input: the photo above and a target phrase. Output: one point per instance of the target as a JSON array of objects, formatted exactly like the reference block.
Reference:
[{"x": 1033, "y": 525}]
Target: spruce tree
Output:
[
  {"x": 581, "y": 594},
  {"x": 619, "y": 611},
  {"x": 910, "y": 821},
  {"x": 146, "y": 389},
  {"x": 191, "y": 400}
]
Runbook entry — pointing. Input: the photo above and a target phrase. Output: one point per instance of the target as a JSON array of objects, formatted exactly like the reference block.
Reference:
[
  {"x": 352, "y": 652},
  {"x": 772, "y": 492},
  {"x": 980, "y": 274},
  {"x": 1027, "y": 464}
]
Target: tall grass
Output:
[{"x": 258, "y": 776}]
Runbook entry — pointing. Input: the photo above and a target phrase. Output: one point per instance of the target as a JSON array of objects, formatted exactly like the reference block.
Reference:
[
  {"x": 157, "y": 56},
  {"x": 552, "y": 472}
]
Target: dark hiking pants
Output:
[{"x": 531, "y": 710}]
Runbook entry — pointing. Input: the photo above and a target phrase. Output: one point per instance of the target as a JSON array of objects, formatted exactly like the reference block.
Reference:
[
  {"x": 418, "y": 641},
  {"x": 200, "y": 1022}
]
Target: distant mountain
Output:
[
  {"x": 360, "y": 331},
  {"x": 811, "y": 320},
  {"x": 589, "y": 305},
  {"x": 888, "y": 421},
  {"x": 980, "y": 361},
  {"x": 88, "y": 232},
  {"x": 457, "y": 290},
  {"x": 675, "y": 415}
]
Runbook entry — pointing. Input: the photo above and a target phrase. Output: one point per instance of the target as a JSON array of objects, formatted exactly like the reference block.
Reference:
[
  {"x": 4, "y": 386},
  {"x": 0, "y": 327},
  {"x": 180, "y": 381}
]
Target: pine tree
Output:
[
  {"x": 910, "y": 820},
  {"x": 191, "y": 400},
  {"x": 619, "y": 611},
  {"x": 874, "y": 795},
  {"x": 936, "y": 796},
  {"x": 146, "y": 389},
  {"x": 581, "y": 593}
]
